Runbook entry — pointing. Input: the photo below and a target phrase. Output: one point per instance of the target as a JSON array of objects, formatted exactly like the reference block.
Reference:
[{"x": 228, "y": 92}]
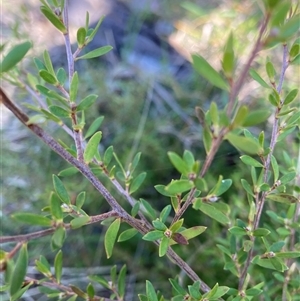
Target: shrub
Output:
[{"x": 241, "y": 236}]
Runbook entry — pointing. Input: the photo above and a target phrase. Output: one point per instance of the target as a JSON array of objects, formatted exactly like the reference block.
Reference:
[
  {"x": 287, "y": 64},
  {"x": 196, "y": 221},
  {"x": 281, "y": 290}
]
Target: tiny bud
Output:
[
  {"x": 192, "y": 176},
  {"x": 168, "y": 233},
  {"x": 57, "y": 11},
  {"x": 213, "y": 199}
]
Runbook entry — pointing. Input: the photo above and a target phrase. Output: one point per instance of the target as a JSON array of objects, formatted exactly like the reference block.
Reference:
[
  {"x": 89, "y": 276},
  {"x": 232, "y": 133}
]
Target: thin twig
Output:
[
  {"x": 46, "y": 232},
  {"x": 261, "y": 201},
  {"x": 77, "y": 133}
]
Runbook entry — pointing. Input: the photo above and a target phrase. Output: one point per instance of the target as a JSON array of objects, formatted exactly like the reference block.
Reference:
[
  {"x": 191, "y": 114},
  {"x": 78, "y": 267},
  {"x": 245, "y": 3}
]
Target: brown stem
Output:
[
  {"x": 261, "y": 201},
  {"x": 42, "y": 233}
]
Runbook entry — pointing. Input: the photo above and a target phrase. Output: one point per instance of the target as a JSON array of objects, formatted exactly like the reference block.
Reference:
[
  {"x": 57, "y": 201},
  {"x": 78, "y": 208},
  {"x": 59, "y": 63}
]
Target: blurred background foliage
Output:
[{"x": 146, "y": 109}]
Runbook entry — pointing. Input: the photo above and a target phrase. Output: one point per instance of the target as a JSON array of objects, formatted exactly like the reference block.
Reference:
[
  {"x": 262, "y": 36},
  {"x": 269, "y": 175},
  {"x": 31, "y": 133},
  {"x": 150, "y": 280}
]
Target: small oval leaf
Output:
[
  {"x": 60, "y": 190},
  {"x": 78, "y": 222},
  {"x": 19, "y": 272},
  {"x": 110, "y": 237},
  {"x": 179, "y": 186},
  {"x": 14, "y": 56},
  {"x": 95, "y": 53},
  {"x": 91, "y": 147},
  {"x": 208, "y": 72},
  {"x": 87, "y": 102}
]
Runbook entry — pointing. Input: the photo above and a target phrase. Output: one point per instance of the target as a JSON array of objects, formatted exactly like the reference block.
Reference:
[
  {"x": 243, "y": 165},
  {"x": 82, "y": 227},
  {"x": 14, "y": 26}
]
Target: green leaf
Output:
[
  {"x": 289, "y": 254},
  {"x": 189, "y": 159},
  {"x": 50, "y": 116},
  {"x": 237, "y": 231},
  {"x": 137, "y": 182},
  {"x": 61, "y": 76},
  {"x": 250, "y": 161},
  {"x": 247, "y": 187},
  {"x": 90, "y": 291},
  {"x": 92, "y": 147},
  {"x": 101, "y": 280},
  {"x": 51, "y": 94},
  {"x": 194, "y": 290},
  {"x": 150, "y": 291},
  {"x": 48, "y": 13},
  {"x": 159, "y": 225},
  {"x": 58, "y": 266},
  {"x": 48, "y": 77},
  {"x": 207, "y": 139},
  {"x": 228, "y": 57},
  {"x": 153, "y": 235},
  {"x": 275, "y": 168},
  {"x": 211, "y": 211},
  {"x": 290, "y": 97},
  {"x": 179, "y": 186},
  {"x": 39, "y": 64},
  {"x": 277, "y": 246},
  {"x": 261, "y": 232},
  {"x": 289, "y": 28},
  {"x": 74, "y": 87},
  {"x": 60, "y": 190},
  {"x": 221, "y": 291},
  {"x": 163, "y": 246},
  {"x": 94, "y": 126},
  {"x": 256, "y": 117},
  {"x": 282, "y": 198},
  {"x": 240, "y": 116},
  {"x": 32, "y": 219},
  {"x": 94, "y": 31},
  {"x": 208, "y": 72},
  {"x": 274, "y": 101},
  {"x": 177, "y": 225},
  {"x": 162, "y": 190},
  {"x": 14, "y": 56},
  {"x": 122, "y": 282},
  {"x": 149, "y": 209},
  {"x": 78, "y": 222},
  {"x": 80, "y": 199},
  {"x": 271, "y": 72},
  {"x": 287, "y": 178},
  {"x": 48, "y": 63},
  {"x": 223, "y": 187},
  {"x": 108, "y": 155},
  {"x": 79, "y": 292},
  {"x": 58, "y": 237},
  {"x": 42, "y": 268},
  {"x": 19, "y": 271},
  {"x": 214, "y": 114},
  {"x": 253, "y": 292},
  {"x": 70, "y": 171},
  {"x": 86, "y": 103},
  {"x": 59, "y": 111},
  {"x": 135, "y": 209},
  {"x": 179, "y": 290},
  {"x": 178, "y": 163},
  {"x": 95, "y": 53},
  {"x": 191, "y": 233},
  {"x": 81, "y": 35},
  {"x": 111, "y": 236},
  {"x": 55, "y": 205},
  {"x": 258, "y": 78},
  {"x": 244, "y": 144},
  {"x": 127, "y": 234},
  {"x": 165, "y": 213},
  {"x": 36, "y": 119}
]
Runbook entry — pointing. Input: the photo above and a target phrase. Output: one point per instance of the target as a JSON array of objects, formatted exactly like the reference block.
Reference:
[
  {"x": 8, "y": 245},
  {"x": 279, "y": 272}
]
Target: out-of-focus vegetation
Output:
[{"x": 148, "y": 112}]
